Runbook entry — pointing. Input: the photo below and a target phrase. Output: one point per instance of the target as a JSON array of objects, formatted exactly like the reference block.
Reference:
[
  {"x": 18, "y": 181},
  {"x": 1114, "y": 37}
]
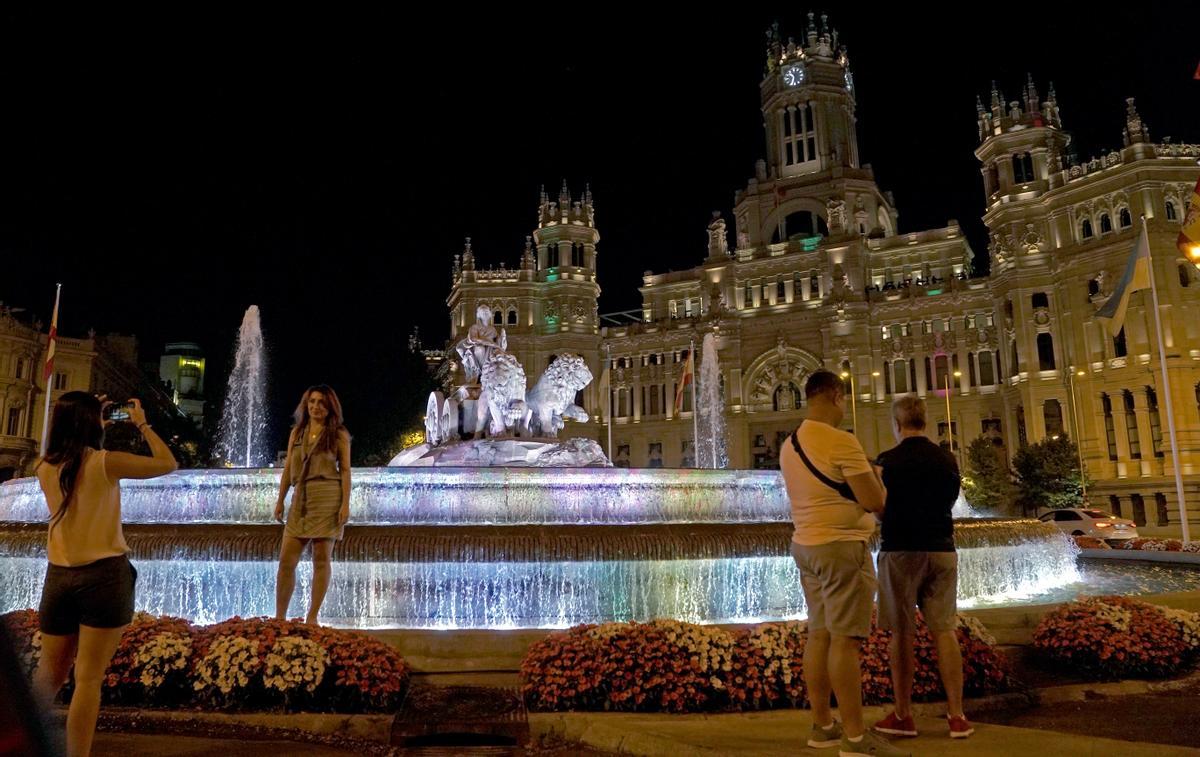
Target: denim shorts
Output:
[{"x": 99, "y": 595}]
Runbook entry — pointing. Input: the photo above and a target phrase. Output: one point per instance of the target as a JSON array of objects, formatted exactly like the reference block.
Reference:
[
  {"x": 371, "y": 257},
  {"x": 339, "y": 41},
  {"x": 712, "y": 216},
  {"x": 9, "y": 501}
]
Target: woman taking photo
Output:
[
  {"x": 87, "y": 599},
  {"x": 318, "y": 466}
]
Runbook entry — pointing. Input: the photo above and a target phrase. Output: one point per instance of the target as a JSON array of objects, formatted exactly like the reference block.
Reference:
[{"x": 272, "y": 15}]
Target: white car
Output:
[{"x": 1083, "y": 521}]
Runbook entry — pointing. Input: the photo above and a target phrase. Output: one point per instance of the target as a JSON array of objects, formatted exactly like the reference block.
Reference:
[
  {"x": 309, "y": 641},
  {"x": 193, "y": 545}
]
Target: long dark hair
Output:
[
  {"x": 75, "y": 427},
  {"x": 333, "y": 421}
]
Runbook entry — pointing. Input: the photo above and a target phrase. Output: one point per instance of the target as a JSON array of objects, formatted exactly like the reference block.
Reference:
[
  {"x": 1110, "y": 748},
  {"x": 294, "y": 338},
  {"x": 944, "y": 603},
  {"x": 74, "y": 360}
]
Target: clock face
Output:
[{"x": 793, "y": 76}]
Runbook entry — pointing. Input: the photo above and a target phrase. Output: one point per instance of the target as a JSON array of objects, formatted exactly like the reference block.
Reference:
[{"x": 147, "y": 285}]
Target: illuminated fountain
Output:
[
  {"x": 510, "y": 528},
  {"x": 498, "y": 547},
  {"x": 240, "y": 434}
]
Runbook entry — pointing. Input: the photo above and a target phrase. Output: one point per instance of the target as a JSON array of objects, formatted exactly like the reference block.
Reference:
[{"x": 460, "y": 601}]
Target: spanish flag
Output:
[
  {"x": 1137, "y": 276},
  {"x": 1189, "y": 236},
  {"x": 685, "y": 378}
]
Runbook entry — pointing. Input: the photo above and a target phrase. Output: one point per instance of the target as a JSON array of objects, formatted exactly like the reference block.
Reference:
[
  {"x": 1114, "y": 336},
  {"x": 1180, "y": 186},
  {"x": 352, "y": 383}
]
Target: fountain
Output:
[
  {"x": 711, "y": 450},
  {"x": 497, "y": 523},
  {"x": 241, "y": 432}
]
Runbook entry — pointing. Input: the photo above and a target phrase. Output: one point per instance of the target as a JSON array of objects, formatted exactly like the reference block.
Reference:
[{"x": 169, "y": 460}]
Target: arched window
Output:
[
  {"x": 1171, "y": 215},
  {"x": 1052, "y": 414},
  {"x": 1085, "y": 229},
  {"x": 1093, "y": 287},
  {"x": 900, "y": 370},
  {"x": 1155, "y": 422},
  {"x": 1045, "y": 348},
  {"x": 1022, "y": 168},
  {"x": 498, "y": 318},
  {"x": 1135, "y": 442},
  {"x": 1105, "y": 223},
  {"x": 1114, "y": 504},
  {"x": 577, "y": 256},
  {"x": 1125, "y": 219},
  {"x": 803, "y": 224},
  {"x": 987, "y": 369},
  {"x": 1040, "y": 300},
  {"x": 512, "y": 316},
  {"x": 1139, "y": 509},
  {"x": 1110, "y": 433},
  {"x": 1160, "y": 508}
]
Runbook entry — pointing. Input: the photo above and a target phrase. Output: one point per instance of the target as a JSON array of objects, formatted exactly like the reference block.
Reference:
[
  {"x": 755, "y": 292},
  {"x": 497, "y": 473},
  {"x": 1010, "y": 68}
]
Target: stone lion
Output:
[
  {"x": 553, "y": 398},
  {"x": 502, "y": 398}
]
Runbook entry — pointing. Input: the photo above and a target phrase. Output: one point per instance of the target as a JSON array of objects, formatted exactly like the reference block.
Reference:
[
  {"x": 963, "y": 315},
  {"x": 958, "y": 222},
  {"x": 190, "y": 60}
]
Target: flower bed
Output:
[
  {"x": 1161, "y": 545},
  {"x": 669, "y": 666},
  {"x": 1090, "y": 542},
  {"x": 1117, "y": 637},
  {"x": 245, "y": 664}
]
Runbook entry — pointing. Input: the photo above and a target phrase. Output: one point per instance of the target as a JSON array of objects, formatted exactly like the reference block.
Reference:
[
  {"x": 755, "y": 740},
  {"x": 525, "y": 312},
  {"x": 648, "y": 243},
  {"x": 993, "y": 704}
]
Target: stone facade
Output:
[{"x": 817, "y": 275}]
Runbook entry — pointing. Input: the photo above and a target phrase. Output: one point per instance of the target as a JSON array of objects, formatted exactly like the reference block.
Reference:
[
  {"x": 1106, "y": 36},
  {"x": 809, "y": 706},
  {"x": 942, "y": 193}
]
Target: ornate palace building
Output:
[{"x": 818, "y": 276}]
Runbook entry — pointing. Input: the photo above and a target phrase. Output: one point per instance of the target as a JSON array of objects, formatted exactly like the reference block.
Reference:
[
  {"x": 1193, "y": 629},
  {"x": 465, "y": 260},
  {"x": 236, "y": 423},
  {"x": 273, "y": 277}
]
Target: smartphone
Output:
[{"x": 117, "y": 411}]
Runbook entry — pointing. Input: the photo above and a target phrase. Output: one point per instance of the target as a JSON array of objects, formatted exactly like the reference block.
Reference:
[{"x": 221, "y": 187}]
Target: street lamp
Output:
[
  {"x": 1075, "y": 424},
  {"x": 853, "y": 404},
  {"x": 949, "y": 419}
]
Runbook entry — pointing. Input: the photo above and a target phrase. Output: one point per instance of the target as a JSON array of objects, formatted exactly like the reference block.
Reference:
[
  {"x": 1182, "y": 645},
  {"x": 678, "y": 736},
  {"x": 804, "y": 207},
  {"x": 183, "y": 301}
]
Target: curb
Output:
[
  {"x": 1144, "y": 555},
  {"x": 369, "y": 727}
]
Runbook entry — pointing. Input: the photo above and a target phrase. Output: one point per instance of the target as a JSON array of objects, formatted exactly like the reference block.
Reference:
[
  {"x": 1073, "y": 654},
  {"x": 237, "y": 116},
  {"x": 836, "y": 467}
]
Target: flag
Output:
[
  {"x": 1189, "y": 236},
  {"x": 1137, "y": 276},
  {"x": 685, "y": 378},
  {"x": 48, "y": 372}
]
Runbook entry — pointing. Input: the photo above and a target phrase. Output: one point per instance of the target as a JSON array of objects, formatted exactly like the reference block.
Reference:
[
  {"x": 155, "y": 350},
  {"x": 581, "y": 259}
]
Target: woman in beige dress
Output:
[{"x": 318, "y": 466}]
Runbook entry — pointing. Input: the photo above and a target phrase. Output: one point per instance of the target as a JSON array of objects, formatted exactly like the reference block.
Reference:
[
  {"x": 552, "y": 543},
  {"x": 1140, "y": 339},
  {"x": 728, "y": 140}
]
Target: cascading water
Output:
[
  {"x": 711, "y": 451},
  {"x": 498, "y": 548},
  {"x": 240, "y": 435}
]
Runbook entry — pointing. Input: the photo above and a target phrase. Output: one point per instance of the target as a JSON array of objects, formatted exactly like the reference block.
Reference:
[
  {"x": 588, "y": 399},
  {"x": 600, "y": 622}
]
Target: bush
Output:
[
  {"x": 668, "y": 666},
  {"x": 249, "y": 664},
  {"x": 1116, "y": 637}
]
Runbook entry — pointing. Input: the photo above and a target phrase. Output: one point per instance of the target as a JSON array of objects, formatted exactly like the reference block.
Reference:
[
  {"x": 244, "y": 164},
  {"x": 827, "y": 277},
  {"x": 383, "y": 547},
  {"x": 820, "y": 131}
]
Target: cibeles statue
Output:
[
  {"x": 509, "y": 427},
  {"x": 481, "y": 341}
]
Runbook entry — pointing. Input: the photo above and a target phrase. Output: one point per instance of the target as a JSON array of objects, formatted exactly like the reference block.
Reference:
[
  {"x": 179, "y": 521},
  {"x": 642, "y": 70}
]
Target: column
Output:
[
  {"x": 805, "y": 288},
  {"x": 1151, "y": 465}
]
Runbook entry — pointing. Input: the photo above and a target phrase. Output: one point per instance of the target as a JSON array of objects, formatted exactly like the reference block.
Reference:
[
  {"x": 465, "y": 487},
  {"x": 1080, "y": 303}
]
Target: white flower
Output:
[
  {"x": 229, "y": 661},
  {"x": 294, "y": 660},
  {"x": 162, "y": 654}
]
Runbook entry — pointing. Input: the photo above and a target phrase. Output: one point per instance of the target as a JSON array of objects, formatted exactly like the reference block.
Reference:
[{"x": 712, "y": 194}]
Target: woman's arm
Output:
[
  {"x": 344, "y": 466},
  {"x": 160, "y": 462},
  {"x": 285, "y": 479}
]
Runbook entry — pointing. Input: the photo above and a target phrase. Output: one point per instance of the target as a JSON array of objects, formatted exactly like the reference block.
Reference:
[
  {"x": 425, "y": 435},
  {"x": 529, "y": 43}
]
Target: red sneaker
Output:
[
  {"x": 896, "y": 726},
  {"x": 960, "y": 727}
]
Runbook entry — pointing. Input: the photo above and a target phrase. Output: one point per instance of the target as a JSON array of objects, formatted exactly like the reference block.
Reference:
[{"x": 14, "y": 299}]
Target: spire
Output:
[
  {"x": 527, "y": 255},
  {"x": 1135, "y": 130},
  {"x": 1031, "y": 95},
  {"x": 810, "y": 31},
  {"x": 468, "y": 257},
  {"x": 979, "y": 106},
  {"x": 414, "y": 340}
]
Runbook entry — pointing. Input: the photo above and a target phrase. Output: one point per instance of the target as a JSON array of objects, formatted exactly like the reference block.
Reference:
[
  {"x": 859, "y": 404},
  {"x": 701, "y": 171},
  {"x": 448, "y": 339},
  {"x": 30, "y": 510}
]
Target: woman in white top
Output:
[{"x": 87, "y": 599}]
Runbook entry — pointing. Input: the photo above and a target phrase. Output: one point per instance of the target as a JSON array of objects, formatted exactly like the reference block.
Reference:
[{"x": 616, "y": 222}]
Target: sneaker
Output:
[
  {"x": 871, "y": 745},
  {"x": 960, "y": 727},
  {"x": 894, "y": 725},
  {"x": 822, "y": 738}
]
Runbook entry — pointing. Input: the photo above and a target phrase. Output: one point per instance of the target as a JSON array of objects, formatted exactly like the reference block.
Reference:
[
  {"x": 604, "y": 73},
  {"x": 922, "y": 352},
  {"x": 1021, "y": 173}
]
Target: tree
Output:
[
  {"x": 987, "y": 484},
  {"x": 1048, "y": 475}
]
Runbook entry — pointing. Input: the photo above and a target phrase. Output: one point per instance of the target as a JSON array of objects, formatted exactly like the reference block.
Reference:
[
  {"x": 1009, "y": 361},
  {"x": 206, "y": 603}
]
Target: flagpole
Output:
[
  {"x": 1162, "y": 358},
  {"x": 48, "y": 371},
  {"x": 695, "y": 409},
  {"x": 608, "y": 389}
]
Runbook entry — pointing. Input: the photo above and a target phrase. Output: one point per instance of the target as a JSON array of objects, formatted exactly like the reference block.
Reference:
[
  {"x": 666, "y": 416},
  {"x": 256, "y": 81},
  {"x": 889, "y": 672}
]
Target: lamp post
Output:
[
  {"x": 949, "y": 418},
  {"x": 853, "y": 404},
  {"x": 1075, "y": 424}
]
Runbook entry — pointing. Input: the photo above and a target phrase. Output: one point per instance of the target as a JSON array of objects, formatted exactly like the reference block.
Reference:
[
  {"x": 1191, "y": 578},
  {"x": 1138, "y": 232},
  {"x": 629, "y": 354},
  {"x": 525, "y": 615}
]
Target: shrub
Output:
[{"x": 1090, "y": 542}]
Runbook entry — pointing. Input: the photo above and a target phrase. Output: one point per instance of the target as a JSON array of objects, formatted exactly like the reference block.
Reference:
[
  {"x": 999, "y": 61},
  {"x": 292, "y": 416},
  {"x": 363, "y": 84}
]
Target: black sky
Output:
[{"x": 172, "y": 170}]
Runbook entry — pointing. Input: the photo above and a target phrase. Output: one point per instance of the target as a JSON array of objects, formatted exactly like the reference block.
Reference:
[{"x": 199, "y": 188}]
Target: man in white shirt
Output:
[{"x": 835, "y": 495}]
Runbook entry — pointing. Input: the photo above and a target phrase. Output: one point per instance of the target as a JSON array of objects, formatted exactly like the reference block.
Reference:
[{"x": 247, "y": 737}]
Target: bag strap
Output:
[{"x": 841, "y": 488}]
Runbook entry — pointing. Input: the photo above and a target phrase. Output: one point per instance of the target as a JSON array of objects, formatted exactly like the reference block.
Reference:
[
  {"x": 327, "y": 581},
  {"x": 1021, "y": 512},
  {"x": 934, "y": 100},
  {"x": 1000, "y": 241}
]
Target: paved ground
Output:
[{"x": 135, "y": 745}]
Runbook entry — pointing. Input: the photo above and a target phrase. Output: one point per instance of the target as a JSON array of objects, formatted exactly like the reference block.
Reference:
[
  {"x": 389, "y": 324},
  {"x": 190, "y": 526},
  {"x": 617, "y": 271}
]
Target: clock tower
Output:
[{"x": 808, "y": 102}]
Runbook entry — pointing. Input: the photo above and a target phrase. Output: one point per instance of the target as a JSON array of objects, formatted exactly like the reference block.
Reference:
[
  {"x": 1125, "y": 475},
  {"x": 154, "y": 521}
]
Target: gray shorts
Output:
[
  {"x": 908, "y": 580},
  {"x": 839, "y": 586}
]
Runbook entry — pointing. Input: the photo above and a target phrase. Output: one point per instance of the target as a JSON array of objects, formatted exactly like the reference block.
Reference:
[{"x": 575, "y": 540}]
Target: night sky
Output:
[{"x": 172, "y": 170}]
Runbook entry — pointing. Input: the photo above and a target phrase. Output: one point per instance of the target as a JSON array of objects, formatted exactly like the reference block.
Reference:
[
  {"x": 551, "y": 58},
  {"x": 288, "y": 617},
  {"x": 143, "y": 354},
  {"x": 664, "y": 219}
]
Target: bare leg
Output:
[
  {"x": 816, "y": 676},
  {"x": 846, "y": 677},
  {"x": 285, "y": 579},
  {"x": 96, "y": 649},
  {"x": 321, "y": 552},
  {"x": 904, "y": 661},
  {"x": 949, "y": 659},
  {"x": 58, "y": 654}
]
